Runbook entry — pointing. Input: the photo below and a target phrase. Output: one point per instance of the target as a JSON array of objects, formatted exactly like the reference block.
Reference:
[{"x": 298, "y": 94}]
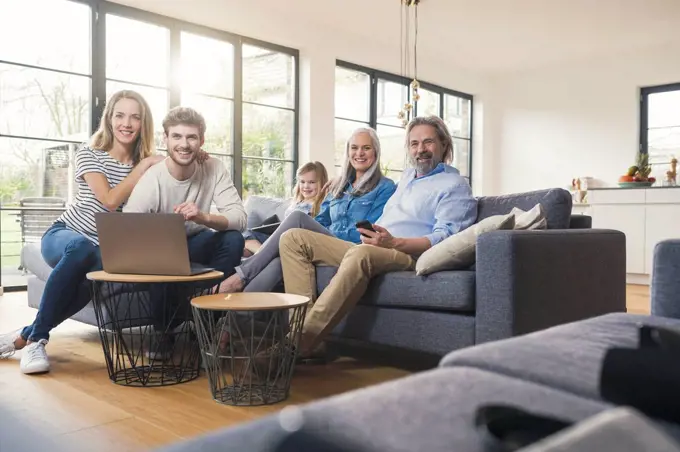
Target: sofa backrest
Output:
[
  {"x": 259, "y": 208},
  {"x": 556, "y": 202}
]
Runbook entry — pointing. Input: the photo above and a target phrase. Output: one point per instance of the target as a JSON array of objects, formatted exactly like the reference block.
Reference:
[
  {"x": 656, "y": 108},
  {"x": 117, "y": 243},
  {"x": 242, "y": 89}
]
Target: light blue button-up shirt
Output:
[{"x": 436, "y": 205}]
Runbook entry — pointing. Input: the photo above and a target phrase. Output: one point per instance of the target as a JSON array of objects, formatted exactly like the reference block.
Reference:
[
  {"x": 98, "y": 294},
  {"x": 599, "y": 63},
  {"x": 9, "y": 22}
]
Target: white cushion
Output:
[
  {"x": 459, "y": 251},
  {"x": 532, "y": 219}
]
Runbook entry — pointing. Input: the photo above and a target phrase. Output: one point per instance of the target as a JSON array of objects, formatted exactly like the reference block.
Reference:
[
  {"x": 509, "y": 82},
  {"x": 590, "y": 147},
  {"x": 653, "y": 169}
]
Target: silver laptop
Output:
[{"x": 145, "y": 244}]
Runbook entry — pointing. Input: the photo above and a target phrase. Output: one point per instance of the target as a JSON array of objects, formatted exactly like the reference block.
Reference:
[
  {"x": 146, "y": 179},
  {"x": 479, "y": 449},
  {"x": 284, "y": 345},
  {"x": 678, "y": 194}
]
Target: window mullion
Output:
[
  {"x": 98, "y": 65},
  {"x": 373, "y": 102},
  {"x": 174, "y": 68},
  {"x": 237, "y": 123}
]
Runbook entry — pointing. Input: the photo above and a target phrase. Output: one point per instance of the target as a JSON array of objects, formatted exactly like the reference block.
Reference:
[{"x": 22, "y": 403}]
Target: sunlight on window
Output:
[
  {"x": 457, "y": 115},
  {"x": 461, "y": 156},
  {"x": 428, "y": 105},
  {"x": 391, "y": 99},
  {"x": 207, "y": 66},
  {"x": 66, "y": 24},
  {"x": 207, "y": 85},
  {"x": 268, "y": 77},
  {"x": 44, "y": 104},
  {"x": 137, "y": 52},
  {"x": 352, "y": 94},
  {"x": 664, "y": 109},
  {"x": 392, "y": 144}
]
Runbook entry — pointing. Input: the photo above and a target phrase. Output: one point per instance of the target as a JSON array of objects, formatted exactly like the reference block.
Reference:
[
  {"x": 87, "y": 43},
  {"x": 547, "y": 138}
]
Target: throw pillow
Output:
[
  {"x": 459, "y": 251},
  {"x": 532, "y": 219}
]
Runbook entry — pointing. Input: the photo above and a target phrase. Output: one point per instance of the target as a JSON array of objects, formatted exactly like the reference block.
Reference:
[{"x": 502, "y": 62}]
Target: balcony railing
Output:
[{"x": 19, "y": 225}]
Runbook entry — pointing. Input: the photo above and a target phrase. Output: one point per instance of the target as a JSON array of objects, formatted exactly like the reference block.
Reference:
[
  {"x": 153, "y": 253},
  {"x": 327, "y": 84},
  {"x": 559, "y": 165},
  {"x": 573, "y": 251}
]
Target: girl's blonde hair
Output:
[
  {"x": 103, "y": 137},
  {"x": 321, "y": 180}
]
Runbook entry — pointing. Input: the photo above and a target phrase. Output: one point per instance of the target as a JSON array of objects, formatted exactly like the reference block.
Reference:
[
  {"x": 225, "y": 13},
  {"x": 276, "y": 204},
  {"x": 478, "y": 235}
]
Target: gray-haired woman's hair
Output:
[
  {"x": 442, "y": 134},
  {"x": 371, "y": 177}
]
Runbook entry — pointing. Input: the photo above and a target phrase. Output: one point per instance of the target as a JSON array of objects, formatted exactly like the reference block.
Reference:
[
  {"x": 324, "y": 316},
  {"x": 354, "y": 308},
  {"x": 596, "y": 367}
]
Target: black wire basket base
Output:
[
  {"x": 144, "y": 357},
  {"x": 147, "y": 343},
  {"x": 256, "y": 366}
]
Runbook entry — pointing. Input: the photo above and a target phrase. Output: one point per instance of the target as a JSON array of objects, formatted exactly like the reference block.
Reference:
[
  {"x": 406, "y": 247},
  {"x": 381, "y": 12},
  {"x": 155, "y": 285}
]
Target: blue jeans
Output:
[
  {"x": 221, "y": 250},
  {"x": 256, "y": 235},
  {"x": 71, "y": 256}
]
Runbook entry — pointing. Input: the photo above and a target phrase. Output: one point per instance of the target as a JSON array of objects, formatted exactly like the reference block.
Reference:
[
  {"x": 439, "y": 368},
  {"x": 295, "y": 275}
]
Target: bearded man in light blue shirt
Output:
[{"x": 432, "y": 202}]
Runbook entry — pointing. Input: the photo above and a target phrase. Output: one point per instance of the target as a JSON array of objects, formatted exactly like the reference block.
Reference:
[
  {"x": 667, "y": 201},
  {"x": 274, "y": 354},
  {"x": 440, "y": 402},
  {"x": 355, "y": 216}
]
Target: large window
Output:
[
  {"x": 660, "y": 126},
  {"x": 352, "y": 106},
  {"x": 68, "y": 56},
  {"x": 207, "y": 85},
  {"x": 366, "y": 97},
  {"x": 269, "y": 124}
]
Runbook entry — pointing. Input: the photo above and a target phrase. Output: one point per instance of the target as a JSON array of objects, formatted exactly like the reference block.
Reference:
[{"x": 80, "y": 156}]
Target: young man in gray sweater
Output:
[{"x": 183, "y": 186}]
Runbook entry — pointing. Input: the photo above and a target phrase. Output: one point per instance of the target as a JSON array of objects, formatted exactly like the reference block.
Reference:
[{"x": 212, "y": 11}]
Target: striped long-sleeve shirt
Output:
[{"x": 80, "y": 214}]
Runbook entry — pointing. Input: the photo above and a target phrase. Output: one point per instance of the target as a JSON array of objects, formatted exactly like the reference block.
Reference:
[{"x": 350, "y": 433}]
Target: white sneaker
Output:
[
  {"x": 7, "y": 347},
  {"x": 34, "y": 358}
]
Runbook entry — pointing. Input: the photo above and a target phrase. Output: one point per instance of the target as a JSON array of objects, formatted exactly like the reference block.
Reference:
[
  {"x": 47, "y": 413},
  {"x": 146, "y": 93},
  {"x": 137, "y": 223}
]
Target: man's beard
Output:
[
  {"x": 424, "y": 167},
  {"x": 181, "y": 162}
]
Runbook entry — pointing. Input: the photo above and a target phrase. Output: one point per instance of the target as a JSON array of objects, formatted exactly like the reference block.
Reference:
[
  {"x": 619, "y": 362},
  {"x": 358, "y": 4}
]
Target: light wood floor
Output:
[{"x": 78, "y": 404}]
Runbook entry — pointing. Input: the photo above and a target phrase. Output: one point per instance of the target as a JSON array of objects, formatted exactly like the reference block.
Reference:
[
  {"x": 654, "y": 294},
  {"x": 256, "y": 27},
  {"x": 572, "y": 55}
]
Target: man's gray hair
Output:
[
  {"x": 442, "y": 134},
  {"x": 370, "y": 179}
]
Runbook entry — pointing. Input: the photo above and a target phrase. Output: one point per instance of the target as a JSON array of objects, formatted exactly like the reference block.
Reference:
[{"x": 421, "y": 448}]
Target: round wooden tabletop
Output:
[
  {"x": 125, "y": 278},
  {"x": 249, "y": 301}
]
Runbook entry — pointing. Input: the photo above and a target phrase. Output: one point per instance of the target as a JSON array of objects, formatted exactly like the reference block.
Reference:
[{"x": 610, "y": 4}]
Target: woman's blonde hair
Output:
[
  {"x": 321, "y": 180},
  {"x": 103, "y": 137}
]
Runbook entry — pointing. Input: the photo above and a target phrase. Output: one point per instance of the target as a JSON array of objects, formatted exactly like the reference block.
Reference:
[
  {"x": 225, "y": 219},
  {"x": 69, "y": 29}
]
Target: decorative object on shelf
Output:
[
  {"x": 408, "y": 8},
  {"x": 672, "y": 174},
  {"x": 579, "y": 190},
  {"x": 638, "y": 174}
]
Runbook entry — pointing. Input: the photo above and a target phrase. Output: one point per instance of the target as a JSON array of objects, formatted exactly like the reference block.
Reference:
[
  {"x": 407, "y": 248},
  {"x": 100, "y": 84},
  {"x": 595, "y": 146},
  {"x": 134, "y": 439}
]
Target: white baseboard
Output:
[{"x": 632, "y": 278}]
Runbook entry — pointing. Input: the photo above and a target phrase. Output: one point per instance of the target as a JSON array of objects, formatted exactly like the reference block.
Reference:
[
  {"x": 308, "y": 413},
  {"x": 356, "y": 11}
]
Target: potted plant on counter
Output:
[{"x": 638, "y": 174}]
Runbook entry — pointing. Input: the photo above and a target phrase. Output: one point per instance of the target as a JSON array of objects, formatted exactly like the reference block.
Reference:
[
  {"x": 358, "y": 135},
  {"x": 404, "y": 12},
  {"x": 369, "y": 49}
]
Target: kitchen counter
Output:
[
  {"x": 646, "y": 215},
  {"x": 653, "y": 187}
]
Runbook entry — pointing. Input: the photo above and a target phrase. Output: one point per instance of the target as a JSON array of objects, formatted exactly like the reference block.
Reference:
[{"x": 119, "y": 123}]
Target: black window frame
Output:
[
  {"x": 98, "y": 77},
  {"x": 644, "y": 111},
  {"x": 99, "y": 10},
  {"x": 376, "y": 74}
]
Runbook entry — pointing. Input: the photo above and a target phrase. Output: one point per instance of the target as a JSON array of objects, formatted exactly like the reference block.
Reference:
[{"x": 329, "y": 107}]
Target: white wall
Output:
[
  {"x": 551, "y": 125},
  {"x": 319, "y": 48}
]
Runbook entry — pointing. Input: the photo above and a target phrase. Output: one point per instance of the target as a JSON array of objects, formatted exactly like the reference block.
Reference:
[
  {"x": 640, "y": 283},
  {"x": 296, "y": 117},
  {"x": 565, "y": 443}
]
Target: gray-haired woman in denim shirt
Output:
[{"x": 359, "y": 194}]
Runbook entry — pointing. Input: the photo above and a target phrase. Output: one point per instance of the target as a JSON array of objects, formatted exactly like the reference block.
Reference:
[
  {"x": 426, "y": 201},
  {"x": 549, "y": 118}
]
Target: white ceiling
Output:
[{"x": 487, "y": 36}]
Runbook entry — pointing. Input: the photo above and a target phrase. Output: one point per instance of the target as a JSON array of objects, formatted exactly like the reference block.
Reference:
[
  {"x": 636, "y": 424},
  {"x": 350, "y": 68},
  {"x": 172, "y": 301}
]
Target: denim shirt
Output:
[
  {"x": 340, "y": 215},
  {"x": 436, "y": 205}
]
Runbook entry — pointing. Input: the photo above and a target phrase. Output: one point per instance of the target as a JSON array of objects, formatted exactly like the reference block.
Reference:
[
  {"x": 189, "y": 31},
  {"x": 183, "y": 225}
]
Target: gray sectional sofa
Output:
[
  {"x": 556, "y": 373},
  {"x": 523, "y": 281},
  {"x": 553, "y": 373}
]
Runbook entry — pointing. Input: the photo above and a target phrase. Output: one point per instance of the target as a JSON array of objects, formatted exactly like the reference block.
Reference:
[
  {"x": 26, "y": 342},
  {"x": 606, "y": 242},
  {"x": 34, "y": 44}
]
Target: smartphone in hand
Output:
[{"x": 365, "y": 224}]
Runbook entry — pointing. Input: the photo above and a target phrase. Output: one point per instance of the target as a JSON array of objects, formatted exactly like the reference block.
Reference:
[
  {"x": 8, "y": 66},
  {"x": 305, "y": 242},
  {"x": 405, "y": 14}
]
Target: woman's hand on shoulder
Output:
[
  {"x": 202, "y": 156},
  {"x": 150, "y": 161}
]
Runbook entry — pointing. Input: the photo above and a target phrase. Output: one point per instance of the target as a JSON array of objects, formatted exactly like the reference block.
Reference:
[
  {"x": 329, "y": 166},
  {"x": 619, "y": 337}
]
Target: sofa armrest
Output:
[
  {"x": 580, "y": 222},
  {"x": 666, "y": 279},
  {"x": 531, "y": 280}
]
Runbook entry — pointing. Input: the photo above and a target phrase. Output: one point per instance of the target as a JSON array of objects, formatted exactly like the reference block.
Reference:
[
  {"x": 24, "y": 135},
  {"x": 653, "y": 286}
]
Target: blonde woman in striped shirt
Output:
[{"x": 106, "y": 172}]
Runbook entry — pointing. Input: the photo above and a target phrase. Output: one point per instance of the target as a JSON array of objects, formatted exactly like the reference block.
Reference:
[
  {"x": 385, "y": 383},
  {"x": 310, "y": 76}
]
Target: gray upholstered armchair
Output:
[{"x": 666, "y": 279}]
